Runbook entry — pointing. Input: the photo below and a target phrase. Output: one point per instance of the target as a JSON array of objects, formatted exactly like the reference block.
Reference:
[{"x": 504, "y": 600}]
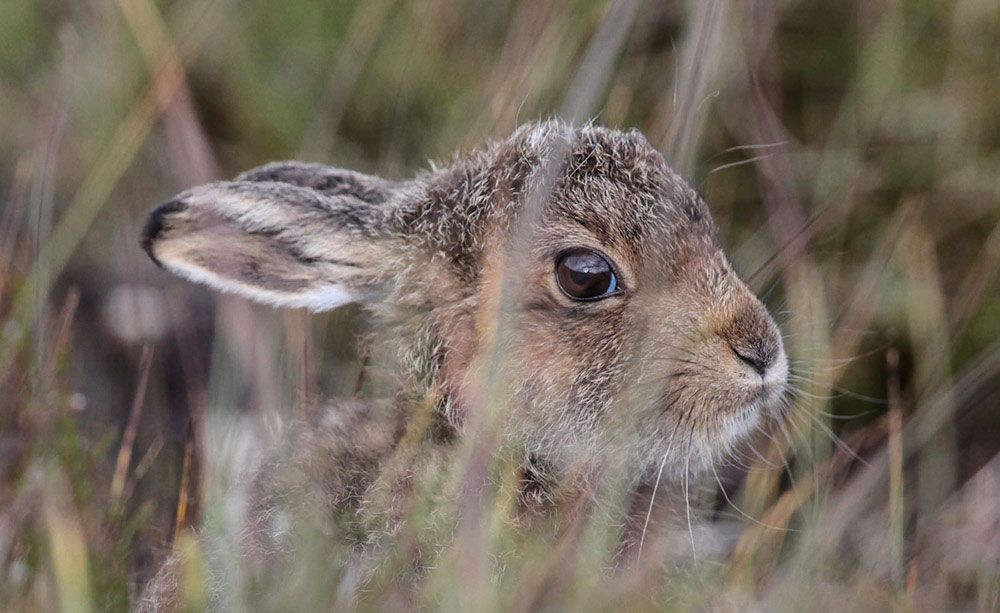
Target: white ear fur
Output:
[
  {"x": 318, "y": 299},
  {"x": 274, "y": 243}
]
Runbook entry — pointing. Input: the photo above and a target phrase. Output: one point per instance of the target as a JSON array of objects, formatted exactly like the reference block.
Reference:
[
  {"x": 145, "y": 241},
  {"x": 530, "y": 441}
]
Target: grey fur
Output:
[{"x": 656, "y": 376}]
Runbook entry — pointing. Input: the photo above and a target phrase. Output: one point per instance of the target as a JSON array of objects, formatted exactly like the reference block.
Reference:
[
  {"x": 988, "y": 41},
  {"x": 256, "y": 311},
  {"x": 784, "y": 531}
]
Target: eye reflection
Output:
[{"x": 584, "y": 274}]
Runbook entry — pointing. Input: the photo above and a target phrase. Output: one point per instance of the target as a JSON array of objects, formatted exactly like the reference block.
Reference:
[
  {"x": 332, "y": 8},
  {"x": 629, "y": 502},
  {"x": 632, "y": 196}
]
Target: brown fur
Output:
[{"x": 457, "y": 269}]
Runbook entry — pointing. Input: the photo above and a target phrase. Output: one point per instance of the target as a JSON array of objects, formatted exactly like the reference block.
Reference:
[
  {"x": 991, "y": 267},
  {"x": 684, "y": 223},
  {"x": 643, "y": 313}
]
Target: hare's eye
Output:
[{"x": 584, "y": 274}]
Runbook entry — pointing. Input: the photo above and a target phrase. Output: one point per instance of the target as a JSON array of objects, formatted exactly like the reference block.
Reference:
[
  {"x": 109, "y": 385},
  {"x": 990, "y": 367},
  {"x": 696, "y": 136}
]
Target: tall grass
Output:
[{"x": 850, "y": 152}]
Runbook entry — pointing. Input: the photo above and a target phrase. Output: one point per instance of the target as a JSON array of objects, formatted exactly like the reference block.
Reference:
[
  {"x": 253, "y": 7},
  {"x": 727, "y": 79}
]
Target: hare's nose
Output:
[
  {"x": 754, "y": 340},
  {"x": 756, "y": 356}
]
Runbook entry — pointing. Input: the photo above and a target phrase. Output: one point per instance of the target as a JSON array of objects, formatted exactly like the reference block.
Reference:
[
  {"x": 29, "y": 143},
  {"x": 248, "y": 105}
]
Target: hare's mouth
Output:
[{"x": 762, "y": 400}]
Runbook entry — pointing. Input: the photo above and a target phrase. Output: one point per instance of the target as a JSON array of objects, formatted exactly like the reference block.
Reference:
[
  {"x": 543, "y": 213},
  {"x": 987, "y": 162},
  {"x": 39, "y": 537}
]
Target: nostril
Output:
[{"x": 756, "y": 360}]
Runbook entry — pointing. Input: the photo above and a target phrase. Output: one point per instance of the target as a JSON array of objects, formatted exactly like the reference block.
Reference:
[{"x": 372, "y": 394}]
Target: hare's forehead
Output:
[{"x": 638, "y": 218}]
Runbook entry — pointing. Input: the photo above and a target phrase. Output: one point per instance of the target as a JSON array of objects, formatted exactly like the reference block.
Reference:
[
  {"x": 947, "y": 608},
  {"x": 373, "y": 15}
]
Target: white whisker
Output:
[
  {"x": 652, "y": 500},
  {"x": 687, "y": 504}
]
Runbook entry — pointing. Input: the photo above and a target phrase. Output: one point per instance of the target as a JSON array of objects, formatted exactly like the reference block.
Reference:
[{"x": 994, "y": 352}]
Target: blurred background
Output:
[{"x": 850, "y": 152}]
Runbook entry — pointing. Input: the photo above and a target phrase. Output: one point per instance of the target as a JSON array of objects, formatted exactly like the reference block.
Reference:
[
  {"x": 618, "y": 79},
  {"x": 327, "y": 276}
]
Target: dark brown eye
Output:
[{"x": 585, "y": 275}]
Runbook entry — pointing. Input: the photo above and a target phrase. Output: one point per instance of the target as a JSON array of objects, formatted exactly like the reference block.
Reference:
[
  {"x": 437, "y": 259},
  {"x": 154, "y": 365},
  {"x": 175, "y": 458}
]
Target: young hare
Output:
[{"x": 572, "y": 264}]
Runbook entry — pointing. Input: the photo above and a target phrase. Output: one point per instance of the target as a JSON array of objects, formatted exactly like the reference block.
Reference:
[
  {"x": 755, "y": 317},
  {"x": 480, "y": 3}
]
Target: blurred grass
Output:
[{"x": 850, "y": 152}]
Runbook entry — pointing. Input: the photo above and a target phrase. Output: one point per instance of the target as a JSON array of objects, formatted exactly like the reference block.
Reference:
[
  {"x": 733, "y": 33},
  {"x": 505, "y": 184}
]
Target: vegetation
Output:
[{"x": 850, "y": 152}]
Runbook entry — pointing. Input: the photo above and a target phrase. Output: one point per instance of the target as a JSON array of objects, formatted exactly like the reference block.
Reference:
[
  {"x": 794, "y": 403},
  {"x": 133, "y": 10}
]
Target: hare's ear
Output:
[
  {"x": 327, "y": 180},
  {"x": 272, "y": 242}
]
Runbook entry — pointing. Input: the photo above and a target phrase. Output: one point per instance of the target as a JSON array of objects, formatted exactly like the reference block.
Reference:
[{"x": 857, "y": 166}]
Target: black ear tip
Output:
[{"x": 156, "y": 224}]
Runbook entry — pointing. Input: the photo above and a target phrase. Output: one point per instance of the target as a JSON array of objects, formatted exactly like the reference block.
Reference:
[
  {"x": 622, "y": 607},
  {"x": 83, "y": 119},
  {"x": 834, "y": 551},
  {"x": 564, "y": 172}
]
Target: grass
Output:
[{"x": 849, "y": 151}]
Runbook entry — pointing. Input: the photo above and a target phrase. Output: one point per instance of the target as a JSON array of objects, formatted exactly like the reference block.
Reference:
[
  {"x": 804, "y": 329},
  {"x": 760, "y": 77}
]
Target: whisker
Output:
[
  {"x": 687, "y": 503},
  {"x": 652, "y": 500},
  {"x": 740, "y": 511},
  {"x": 751, "y": 160},
  {"x": 839, "y": 442},
  {"x": 757, "y": 146},
  {"x": 829, "y": 415},
  {"x": 791, "y": 442}
]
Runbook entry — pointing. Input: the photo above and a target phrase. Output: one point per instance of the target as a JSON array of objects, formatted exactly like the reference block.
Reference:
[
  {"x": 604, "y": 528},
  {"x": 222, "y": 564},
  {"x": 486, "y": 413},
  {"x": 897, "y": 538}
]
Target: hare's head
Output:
[{"x": 571, "y": 265}]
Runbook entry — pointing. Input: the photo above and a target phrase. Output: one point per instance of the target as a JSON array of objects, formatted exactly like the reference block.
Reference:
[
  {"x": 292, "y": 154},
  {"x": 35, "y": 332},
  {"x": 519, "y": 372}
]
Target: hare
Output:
[{"x": 569, "y": 263}]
